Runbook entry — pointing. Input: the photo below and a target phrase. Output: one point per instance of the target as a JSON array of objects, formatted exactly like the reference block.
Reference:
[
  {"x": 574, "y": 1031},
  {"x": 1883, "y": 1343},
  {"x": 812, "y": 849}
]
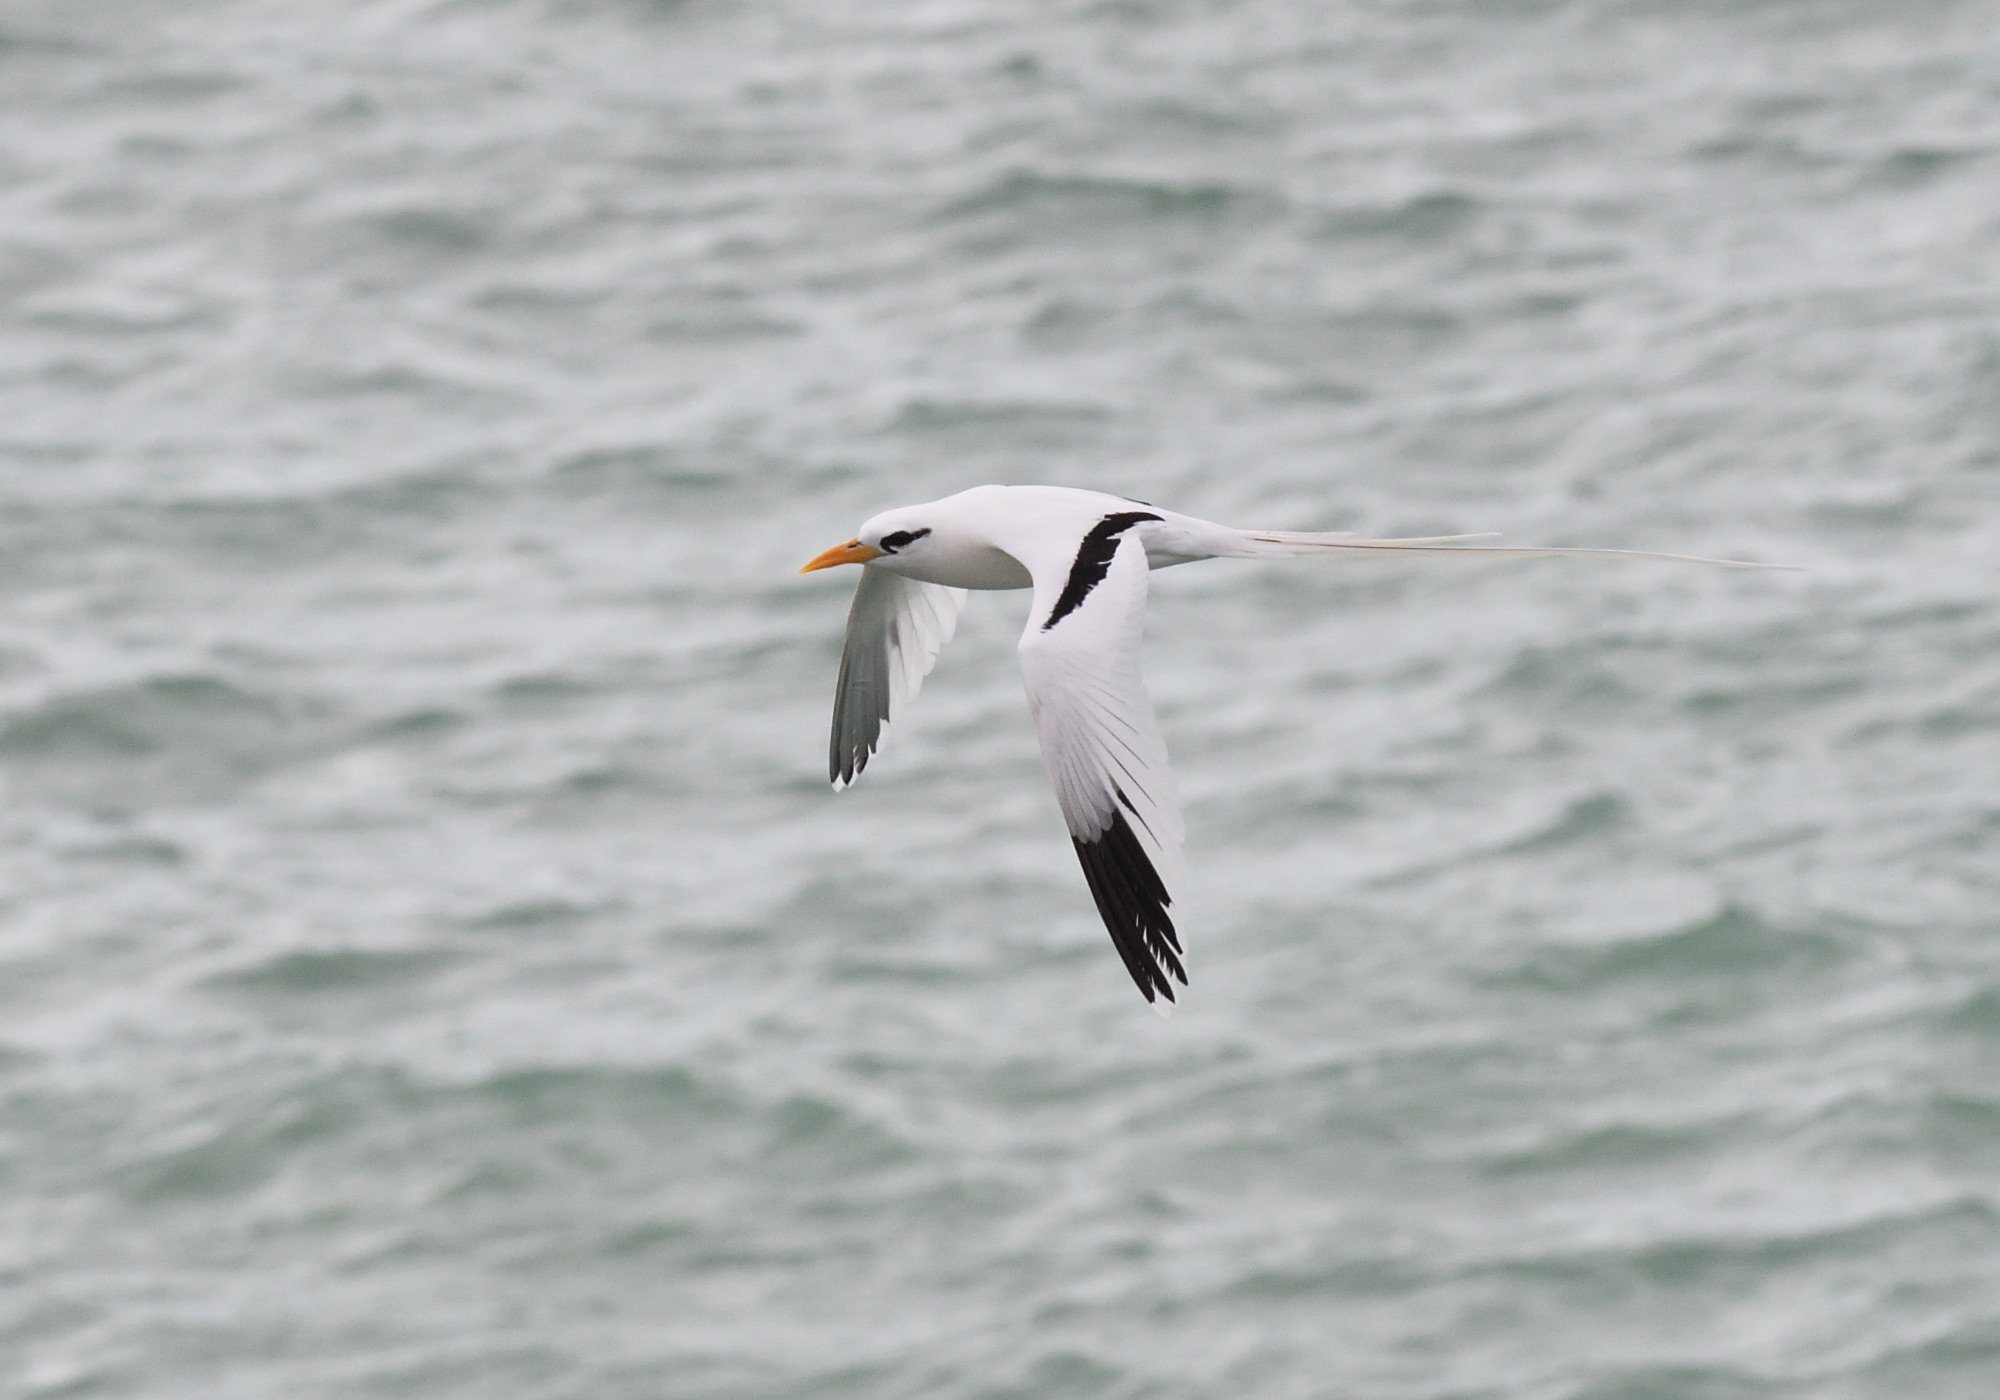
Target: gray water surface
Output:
[{"x": 431, "y": 963}]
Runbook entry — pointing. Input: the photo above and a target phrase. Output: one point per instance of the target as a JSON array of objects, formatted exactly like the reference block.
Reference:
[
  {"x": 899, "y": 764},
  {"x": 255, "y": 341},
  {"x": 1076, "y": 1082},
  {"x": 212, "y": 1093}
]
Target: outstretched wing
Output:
[
  {"x": 1102, "y": 747},
  {"x": 895, "y": 631}
]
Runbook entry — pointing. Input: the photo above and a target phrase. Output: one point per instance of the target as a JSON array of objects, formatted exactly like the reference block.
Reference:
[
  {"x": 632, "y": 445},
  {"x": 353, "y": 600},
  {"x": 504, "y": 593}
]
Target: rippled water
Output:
[{"x": 431, "y": 963}]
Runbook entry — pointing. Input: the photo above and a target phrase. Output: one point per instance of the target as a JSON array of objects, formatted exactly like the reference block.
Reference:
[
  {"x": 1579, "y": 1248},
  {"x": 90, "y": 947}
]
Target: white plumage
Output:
[{"x": 1086, "y": 557}]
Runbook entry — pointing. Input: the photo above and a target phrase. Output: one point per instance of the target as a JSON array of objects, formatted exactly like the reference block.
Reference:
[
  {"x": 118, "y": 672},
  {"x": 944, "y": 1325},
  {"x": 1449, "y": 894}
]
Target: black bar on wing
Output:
[{"x": 1093, "y": 561}]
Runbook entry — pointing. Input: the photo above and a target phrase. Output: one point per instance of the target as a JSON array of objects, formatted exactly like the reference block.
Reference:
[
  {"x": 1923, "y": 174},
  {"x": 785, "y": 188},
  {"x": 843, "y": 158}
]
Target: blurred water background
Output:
[{"x": 432, "y": 964}]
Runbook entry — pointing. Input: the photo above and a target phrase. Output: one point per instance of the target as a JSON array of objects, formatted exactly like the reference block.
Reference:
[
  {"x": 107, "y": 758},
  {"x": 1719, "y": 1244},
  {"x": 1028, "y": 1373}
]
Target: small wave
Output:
[
  {"x": 850, "y": 968},
  {"x": 722, "y": 326},
  {"x": 1597, "y": 814},
  {"x": 129, "y": 315},
  {"x": 1675, "y": 1382},
  {"x": 1571, "y": 674},
  {"x": 1777, "y": 151},
  {"x": 655, "y": 468},
  {"x": 427, "y": 722},
  {"x": 442, "y": 490},
  {"x": 1608, "y": 1147},
  {"x": 1767, "y": 695},
  {"x": 1954, "y": 721},
  {"x": 551, "y": 1093},
  {"x": 1961, "y": 1123},
  {"x": 1581, "y": 819},
  {"x": 797, "y": 1135},
  {"x": 930, "y": 415},
  {"x": 312, "y": 971},
  {"x": 180, "y": 85},
  {"x": 1371, "y": 1276},
  {"x": 1312, "y": 389},
  {"x": 123, "y": 721},
  {"x": 541, "y": 688},
  {"x": 1067, "y": 1371},
  {"x": 1978, "y": 1014},
  {"x": 1910, "y": 167},
  {"x": 821, "y": 1129},
  {"x": 1969, "y": 1350},
  {"x": 645, "y": 1239},
  {"x": 167, "y": 737},
  {"x": 1089, "y": 202},
  {"x": 316, "y": 522},
  {"x": 131, "y": 850},
  {"x": 1732, "y": 941},
  {"x": 15, "y": 40},
  {"x": 442, "y": 230},
  {"x": 396, "y": 378},
  {"x": 1433, "y": 215},
  {"x": 1697, "y": 1260},
  {"x": 532, "y": 914},
  {"x": 244, "y": 1152}
]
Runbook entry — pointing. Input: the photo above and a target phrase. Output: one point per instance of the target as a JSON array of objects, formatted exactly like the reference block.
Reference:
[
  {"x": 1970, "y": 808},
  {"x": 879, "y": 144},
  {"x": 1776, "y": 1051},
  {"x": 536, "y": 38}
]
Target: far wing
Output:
[
  {"x": 1103, "y": 751},
  {"x": 895, "y": 631}
]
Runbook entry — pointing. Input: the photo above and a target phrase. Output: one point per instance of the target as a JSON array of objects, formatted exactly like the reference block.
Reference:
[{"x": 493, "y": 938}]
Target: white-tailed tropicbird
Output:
[{"x": 1086, "y": 556}]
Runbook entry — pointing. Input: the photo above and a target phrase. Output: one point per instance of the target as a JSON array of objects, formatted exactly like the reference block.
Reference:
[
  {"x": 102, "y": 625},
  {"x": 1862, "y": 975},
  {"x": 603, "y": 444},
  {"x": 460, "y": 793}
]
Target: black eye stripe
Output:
[{"x": 893, "y": 542}]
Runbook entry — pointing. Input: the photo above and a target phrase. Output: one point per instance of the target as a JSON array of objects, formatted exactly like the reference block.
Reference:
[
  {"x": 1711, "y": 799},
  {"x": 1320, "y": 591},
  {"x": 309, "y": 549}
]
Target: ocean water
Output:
[{"x": 432, "y": 963}]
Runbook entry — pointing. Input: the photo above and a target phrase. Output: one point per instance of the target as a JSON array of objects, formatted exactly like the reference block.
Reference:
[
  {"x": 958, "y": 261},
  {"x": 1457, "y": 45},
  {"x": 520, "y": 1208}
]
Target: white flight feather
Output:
[
  {"x": 895, "y": 630},
  {"x": 1098, "y": 734}
]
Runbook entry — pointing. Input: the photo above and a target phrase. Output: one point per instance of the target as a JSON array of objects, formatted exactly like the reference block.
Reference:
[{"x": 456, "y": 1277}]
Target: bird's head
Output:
[{"x": 893, "y": 536}]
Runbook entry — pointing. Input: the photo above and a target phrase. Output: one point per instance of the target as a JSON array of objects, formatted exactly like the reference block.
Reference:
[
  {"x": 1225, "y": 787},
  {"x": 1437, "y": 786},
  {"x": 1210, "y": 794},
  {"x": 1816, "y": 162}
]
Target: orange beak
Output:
[{"x": 853, "y": 552}]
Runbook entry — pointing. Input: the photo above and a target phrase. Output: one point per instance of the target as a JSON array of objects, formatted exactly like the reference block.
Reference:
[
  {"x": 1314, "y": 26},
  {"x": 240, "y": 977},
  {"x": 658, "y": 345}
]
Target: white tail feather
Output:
[{"x": 1292, "y": 542}]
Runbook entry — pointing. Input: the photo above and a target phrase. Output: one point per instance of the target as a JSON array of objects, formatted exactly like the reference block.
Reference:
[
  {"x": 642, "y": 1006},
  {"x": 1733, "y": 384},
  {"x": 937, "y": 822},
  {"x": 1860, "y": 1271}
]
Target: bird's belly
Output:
[{"x": 969, "y": 566}]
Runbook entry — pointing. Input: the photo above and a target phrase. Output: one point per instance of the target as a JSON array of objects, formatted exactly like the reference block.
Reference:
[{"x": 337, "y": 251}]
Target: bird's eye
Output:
[{"x": 895, "y": 541}]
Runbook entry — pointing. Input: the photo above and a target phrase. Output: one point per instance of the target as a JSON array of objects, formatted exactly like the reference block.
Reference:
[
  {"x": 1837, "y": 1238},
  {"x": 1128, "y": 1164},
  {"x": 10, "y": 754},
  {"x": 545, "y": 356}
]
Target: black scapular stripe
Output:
[
  {"x": 1093, "y": 561},
  {"x": 1133, "y": 900}
]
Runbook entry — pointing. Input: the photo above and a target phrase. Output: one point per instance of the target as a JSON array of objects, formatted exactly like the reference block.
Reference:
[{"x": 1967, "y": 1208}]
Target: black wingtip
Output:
[{"x": 1133, "y": 901}]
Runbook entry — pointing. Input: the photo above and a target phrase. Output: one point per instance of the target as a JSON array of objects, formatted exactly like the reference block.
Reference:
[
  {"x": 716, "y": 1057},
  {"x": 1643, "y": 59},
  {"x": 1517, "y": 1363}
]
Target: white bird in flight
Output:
[{"x": 1086, "y": 556}]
